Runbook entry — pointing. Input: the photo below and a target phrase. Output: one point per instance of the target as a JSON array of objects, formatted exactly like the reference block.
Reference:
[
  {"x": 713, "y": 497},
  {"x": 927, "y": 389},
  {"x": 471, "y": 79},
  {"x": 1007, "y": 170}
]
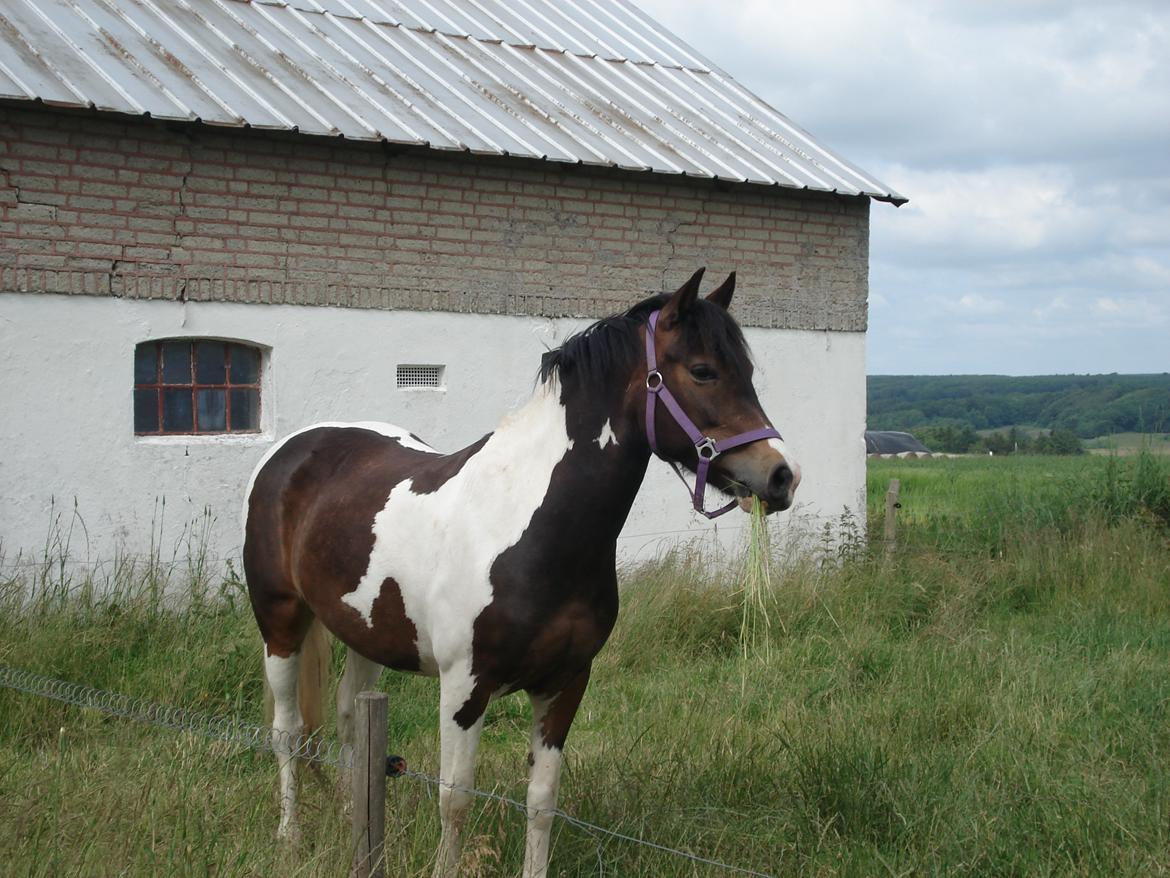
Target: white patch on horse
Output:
[
  {"x": 286, "y": 725},
  {"x": 543, "y": 786},
  {"x": 779, "y": 446},
  {"x": 439, "y": 547},
  {"x": 606, "y": 437}
]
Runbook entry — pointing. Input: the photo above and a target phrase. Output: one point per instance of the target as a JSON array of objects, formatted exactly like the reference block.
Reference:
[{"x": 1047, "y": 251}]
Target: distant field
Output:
[{"x": 1130, "y": 443}]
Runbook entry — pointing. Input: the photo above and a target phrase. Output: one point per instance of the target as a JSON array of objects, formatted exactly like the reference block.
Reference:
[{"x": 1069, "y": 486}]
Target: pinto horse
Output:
[{"x": 494, "y": 568}]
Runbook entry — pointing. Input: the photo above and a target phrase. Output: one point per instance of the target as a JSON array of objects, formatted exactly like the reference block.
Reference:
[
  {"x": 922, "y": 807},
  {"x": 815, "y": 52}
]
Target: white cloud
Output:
[
  {"x": 1032, "y": 139},
  {"x": 1054, "y": 309},
  {"x": 1123, "y": 312}
]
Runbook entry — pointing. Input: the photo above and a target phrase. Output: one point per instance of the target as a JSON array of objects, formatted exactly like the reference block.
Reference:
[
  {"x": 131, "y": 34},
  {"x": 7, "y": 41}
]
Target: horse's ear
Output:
[
  {"x": 682, "y": 300},
  {"x": 722, "y": 294}
]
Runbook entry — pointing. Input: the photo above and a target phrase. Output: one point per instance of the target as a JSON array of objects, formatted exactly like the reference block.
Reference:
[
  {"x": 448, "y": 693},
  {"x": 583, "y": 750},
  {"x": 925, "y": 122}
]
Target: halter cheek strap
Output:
[{"x": 706, "y": 448}]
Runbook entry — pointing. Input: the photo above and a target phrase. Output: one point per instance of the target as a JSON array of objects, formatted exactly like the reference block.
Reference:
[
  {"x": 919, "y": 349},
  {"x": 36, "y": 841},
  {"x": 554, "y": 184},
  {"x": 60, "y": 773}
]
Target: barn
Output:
[{"x": 223, "y": 220}]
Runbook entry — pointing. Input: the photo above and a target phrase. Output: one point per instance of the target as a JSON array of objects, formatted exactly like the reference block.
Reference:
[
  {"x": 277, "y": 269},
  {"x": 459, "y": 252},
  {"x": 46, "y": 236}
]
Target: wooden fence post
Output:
[
  {"x": 369, "y": 785},
  {"x": 892, "y": 506}
]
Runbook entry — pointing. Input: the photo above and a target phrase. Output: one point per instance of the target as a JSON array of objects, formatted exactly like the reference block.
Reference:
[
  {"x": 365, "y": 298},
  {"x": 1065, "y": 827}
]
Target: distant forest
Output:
[{"x": 1084, "y": 405}]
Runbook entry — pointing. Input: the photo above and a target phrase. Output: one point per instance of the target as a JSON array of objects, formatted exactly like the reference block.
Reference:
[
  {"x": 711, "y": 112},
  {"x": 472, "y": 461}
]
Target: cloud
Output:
[
  {"x": 1032, "y": 139},
  {"x": 1054, "y": 309},
  {"x": 1123, "y": 312},
  {"x": 975, "y": 305}
]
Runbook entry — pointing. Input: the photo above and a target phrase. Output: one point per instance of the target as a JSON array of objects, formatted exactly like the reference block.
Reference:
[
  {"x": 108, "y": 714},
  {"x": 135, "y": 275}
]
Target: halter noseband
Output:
[{"x": 706, "y": 448}]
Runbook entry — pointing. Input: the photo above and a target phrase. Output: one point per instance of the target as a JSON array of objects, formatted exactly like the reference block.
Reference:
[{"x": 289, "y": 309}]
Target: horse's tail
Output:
[{"x": 312, "y": 678}]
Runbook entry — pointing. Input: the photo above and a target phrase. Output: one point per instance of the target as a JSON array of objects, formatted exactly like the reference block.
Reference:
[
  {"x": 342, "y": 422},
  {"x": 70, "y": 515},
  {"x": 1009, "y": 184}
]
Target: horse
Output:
[{"x": 494, "y": 567}]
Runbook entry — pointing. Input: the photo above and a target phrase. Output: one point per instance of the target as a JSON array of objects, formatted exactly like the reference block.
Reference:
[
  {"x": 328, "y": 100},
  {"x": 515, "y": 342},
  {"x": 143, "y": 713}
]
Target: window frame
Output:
[{"x": 160, "y": 385}]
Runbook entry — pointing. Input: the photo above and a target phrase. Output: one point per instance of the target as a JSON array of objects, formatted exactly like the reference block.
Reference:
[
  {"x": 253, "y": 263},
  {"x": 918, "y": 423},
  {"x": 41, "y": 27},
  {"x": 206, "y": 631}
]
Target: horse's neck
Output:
[{"x": 596, "y": 467}]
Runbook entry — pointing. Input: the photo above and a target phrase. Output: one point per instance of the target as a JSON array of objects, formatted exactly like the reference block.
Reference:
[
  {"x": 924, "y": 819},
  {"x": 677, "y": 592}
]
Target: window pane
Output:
[
  {"x": 177, "y": 411},
  {"x": 212, "y": 410},
  {"x": 245, "y": 410},
  {"x": 177, "y": 362},
  {"x": 245, "y": 365},
  {"x": 146, "y": 410},
  {"x": 210, "y": 364},
  {"x": 146, "y": 363}
]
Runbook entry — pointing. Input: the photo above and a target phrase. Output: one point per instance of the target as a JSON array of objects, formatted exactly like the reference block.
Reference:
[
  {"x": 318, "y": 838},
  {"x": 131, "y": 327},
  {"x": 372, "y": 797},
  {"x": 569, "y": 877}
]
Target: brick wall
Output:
[{"x": 105, "y": 205}]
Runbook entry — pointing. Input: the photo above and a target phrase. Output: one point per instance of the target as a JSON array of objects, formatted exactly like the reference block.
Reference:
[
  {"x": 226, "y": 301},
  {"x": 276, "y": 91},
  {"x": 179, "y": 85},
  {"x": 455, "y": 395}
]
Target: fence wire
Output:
[
  {"x": 591, "y": 828},
  {"x": 217, "y": 728},
  {"x": 310, "y": 748}
]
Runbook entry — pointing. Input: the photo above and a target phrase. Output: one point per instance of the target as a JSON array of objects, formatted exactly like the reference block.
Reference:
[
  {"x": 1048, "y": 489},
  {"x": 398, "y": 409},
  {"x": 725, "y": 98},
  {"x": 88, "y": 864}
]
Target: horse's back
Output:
[
  {"x": 310, "y": 455},
  {"x": 331, "y": 474}
]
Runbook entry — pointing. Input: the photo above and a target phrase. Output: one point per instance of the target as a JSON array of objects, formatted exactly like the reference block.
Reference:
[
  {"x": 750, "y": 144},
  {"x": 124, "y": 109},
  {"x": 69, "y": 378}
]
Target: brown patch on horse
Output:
[
  {"x": 429, "y": 479},
  {"x": 554, "y": 728}
]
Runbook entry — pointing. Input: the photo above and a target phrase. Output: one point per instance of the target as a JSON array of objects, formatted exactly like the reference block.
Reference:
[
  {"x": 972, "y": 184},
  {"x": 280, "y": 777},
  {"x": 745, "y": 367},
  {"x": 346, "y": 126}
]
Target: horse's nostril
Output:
[{"x": 780, "y": 481}]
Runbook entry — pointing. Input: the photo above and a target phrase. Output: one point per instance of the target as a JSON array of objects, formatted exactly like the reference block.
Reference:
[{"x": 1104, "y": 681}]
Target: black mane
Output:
[{"x": 612, "y": 345}]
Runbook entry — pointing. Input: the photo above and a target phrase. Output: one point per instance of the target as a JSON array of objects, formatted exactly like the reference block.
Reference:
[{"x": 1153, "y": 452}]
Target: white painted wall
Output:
[{"x": 67, "y": 442}]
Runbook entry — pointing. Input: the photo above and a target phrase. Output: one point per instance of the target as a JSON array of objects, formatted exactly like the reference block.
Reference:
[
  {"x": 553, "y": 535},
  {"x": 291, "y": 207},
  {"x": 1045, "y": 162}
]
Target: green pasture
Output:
[
  {"x": 1130, "y": 443},
  {"x": 976, "y": 503},
  {"x": 990, "y": 698}
]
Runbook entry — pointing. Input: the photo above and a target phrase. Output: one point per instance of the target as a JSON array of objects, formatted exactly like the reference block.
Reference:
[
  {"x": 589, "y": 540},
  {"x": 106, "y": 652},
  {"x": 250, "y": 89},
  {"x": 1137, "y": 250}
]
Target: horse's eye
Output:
[{"x": 703, "y": 372}]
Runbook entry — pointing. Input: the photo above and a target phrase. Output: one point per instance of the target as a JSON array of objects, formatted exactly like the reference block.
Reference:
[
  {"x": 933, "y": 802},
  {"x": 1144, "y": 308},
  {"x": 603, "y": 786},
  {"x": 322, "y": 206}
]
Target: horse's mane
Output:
[{"x": 612, "y": 344}]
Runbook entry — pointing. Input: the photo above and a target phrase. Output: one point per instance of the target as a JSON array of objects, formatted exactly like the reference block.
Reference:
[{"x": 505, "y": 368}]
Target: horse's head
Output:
[{"x": 704, "y": 371}]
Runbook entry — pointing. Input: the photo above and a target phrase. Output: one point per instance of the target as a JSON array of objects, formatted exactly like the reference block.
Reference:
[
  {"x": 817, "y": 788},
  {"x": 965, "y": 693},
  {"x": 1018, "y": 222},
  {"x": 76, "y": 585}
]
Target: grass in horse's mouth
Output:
[{"x": 755, "y": 627}]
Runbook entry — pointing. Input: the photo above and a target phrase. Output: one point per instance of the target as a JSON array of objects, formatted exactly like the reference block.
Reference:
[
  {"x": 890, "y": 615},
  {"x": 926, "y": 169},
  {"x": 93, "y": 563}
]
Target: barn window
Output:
[
  {"x": 415, "y": 377},
  {"x": 185, "y": 386}
]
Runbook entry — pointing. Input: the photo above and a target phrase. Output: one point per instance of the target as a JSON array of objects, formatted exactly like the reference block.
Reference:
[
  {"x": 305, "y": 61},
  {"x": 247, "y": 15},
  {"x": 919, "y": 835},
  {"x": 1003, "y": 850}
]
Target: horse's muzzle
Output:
[{"x": 777, "y": 492}]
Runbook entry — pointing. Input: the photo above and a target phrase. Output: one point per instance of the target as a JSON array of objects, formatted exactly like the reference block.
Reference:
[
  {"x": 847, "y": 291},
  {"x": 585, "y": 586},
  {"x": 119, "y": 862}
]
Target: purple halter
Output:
[{"x": 705, "y": 447}]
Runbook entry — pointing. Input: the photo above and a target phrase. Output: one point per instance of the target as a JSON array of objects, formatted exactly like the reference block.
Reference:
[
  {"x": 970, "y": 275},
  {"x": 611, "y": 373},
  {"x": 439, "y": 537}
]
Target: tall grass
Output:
[{"x": 990, "y": 699}]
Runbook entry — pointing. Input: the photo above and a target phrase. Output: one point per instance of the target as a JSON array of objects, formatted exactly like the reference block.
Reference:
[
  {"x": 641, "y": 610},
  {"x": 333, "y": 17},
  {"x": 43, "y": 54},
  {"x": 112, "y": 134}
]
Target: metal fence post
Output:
[
  {"x": 369, "y": 785},
  {"x": 892, "y": 506}
]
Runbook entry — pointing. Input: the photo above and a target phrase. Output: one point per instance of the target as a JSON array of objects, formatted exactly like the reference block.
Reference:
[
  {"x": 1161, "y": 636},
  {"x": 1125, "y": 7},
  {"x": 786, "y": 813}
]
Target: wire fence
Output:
[{"x": 309, "y": 748}]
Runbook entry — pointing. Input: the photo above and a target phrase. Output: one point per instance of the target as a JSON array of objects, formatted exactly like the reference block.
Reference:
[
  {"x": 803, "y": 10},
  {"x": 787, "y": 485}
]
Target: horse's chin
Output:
[
  {"x": 745, "y": 503},
  {"x": 745, "y": 499}
]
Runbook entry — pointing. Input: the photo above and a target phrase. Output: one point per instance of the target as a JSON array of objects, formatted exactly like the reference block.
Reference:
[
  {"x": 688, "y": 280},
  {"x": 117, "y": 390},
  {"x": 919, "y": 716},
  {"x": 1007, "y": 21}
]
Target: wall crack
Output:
[
  {"x": 188, "y": 142},
  {"x": 21, "y": 198},
  {"x": 676, "y": 227}
]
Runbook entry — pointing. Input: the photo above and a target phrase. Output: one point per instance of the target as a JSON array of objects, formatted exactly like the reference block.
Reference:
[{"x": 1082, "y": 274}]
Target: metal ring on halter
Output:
[
  {"x": 654, "y": 388},
  {"x": 706, "y": 449}
]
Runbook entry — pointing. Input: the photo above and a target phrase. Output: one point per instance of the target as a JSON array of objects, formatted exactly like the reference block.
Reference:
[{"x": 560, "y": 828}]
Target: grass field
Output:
[
  {"x": 993, "y": 698},
  {"x": 1130, "y": 443}
]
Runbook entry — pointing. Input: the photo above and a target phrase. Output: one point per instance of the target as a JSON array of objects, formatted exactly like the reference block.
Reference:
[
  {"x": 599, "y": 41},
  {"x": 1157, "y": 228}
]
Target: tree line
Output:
[
  {"x": 948, "y": 410},
  {"x": 964, "y": 440},
  {"x": 1088, "y": 405}
]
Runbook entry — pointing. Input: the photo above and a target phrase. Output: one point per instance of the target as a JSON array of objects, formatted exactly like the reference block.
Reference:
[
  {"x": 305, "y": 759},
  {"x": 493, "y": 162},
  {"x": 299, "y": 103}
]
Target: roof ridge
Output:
[{"x": 354, "y": 13}]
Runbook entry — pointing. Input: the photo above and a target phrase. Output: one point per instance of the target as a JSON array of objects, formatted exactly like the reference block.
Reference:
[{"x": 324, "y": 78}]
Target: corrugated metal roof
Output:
[{"x": 592, "y": 81}]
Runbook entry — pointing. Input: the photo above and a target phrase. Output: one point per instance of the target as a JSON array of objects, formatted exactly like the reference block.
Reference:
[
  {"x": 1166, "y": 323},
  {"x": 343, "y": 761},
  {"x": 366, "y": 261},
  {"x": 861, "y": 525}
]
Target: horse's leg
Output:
[
  {"x": 360, "y": 674},
  {"x": 458, "y": 742},
  {"x": 551, "y": 718},
  {"x": 288, "y": 621}
]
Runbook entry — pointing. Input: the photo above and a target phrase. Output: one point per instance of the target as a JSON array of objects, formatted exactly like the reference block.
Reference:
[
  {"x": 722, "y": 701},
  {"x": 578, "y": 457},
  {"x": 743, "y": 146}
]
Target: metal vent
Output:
[{"x": 416, "y": 377}]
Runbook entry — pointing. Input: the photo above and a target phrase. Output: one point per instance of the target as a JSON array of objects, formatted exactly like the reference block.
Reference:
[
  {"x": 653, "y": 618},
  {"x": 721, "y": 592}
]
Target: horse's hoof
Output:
[{"x": 289, "y": 835}]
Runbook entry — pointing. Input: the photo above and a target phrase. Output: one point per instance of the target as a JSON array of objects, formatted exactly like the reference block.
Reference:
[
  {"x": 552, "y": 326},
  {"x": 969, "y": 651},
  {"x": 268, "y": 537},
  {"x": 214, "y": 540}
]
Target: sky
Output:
[{"x": 1033, "y": 140}]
